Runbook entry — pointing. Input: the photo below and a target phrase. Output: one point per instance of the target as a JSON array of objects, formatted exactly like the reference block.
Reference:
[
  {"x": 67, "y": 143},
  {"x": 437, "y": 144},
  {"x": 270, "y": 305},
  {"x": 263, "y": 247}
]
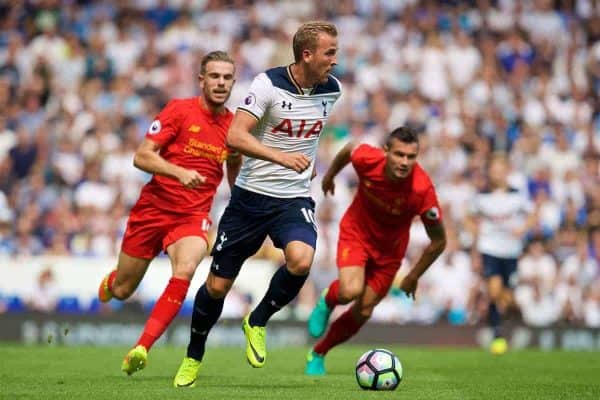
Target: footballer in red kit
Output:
[
  {"x": 191, "y": 136},
  {"x": 375, "y": 229},
  {"x": 374, "y": 234},
  {"x": 184, "y": 149}
]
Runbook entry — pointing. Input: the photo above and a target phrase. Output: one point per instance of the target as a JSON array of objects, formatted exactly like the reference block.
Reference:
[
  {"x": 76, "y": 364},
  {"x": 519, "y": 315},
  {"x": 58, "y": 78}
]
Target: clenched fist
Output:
[
  {"x": 299, "y": 162},
  {"x": 328, "y": 185},
  {"x": 190, "y": 178}
]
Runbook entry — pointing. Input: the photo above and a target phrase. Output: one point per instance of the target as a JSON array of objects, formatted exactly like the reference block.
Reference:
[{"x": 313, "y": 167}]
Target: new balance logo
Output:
[
  {"x": 285, "y": 104},
  {"x": 172, "y": 300}
]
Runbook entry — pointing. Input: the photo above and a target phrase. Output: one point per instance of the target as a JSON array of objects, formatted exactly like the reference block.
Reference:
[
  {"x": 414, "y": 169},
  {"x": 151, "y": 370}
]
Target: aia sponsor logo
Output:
[{"x": 300, "y": 130}]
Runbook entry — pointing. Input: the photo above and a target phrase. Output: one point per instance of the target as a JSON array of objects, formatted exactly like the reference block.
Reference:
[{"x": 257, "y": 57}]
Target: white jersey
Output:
[
  {"x": 499, "y": 213},
  {"x": 290, "y": 121}
]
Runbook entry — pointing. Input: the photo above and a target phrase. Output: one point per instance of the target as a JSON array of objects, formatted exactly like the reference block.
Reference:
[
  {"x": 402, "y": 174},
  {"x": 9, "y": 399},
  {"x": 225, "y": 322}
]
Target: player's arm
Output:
[
  {"x": 147, "y": 159},
  {"x": 241, "y": 139},
  {"x": 471, "y": 223},
  {"x": 341, "y": 159},
  {"x": 234, "y": 163},
  {"x": 530, "y": 222},
  {"x": 437, "y": 237}
]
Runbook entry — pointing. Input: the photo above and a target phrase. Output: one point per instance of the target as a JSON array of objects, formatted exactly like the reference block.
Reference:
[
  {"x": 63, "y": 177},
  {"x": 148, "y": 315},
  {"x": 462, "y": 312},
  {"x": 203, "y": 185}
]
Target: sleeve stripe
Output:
[{"x": 249, "y": 112}]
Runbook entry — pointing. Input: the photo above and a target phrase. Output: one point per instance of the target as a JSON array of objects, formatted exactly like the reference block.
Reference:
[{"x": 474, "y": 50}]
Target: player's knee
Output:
[
  {"x": 300, "y": 269},
  {"x": 184, "y": 270},
  {"x": 494, "y": 296},
  {"x": 364, "y": 313},
  {"x": 300, "y": 266},
  {"x": 299, "y": 258},
  {"x": 495, "y": 288},
  {"x": 218, "y": 289},
  {"x": 122, "y": 291},
  {"x": 349, "y": 292}
]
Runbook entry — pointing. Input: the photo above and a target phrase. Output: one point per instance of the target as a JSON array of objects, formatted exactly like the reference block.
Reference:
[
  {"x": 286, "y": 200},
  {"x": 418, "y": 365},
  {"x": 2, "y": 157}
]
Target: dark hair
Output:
[
  {"x": 403, "y": 134},
  {"x": 307, "y": 36},
  {"x": 214, "y": 56}
]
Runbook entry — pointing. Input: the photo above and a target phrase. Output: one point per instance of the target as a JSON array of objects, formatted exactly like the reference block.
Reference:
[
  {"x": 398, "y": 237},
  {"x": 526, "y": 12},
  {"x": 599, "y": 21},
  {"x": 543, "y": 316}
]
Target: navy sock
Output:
[
  {"x": 494, "y": 319},
  {"x": 206, "y": 313},
  {"x": 283, "y": 288}
]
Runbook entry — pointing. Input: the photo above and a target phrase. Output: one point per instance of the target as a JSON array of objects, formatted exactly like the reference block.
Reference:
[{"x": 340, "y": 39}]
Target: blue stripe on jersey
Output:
[
  {"x": 331, "y": 86},
  {"x": 249, "y": 112},
  {"x": 281, "y": 79}
]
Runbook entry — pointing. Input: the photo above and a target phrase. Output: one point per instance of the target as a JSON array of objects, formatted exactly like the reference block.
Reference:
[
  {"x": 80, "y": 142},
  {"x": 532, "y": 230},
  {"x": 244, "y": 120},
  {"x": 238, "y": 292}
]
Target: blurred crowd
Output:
[{"x": 80, "y": 82}]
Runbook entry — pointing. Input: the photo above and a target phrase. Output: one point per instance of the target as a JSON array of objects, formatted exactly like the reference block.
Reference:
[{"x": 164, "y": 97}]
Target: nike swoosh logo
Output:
[
  {"x": 256, "y": 355},
  {"x": 187, "y": 384}
]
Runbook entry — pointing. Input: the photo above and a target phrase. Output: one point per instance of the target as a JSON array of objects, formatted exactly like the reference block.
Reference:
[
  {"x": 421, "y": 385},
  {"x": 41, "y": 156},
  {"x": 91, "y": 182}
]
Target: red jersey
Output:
[
  {"x": 191, "y": 137},
  {"x": 382, "y": 210}
]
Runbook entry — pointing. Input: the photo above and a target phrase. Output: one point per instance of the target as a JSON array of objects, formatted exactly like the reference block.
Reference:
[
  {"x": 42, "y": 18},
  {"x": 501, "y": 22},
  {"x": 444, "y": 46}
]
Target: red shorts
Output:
[
  {"x": 380, "y": 266},
  {"x": 150, "y": 230}
]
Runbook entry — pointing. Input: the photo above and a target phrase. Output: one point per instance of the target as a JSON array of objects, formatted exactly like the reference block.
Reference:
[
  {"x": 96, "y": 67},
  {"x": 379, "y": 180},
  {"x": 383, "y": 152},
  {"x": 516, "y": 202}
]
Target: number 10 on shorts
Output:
[{"x": 309, "y": 216}]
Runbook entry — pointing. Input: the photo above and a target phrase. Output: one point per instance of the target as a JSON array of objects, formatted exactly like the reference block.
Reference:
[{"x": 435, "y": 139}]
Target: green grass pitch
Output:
[{"x": 48, "y": 372}]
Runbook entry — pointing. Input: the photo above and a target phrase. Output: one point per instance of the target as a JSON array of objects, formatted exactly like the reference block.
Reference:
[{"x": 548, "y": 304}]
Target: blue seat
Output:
[
  {"x": 115, "y": 305},
  {"x": 68, "y": 305},
  {"x": 149, "y": 305},
  {"x": 457, "y": 316},
  {"x": 187, "y": 309},
  {"x": 14, "y": 304},
  {"x": 95, "y": 306}
]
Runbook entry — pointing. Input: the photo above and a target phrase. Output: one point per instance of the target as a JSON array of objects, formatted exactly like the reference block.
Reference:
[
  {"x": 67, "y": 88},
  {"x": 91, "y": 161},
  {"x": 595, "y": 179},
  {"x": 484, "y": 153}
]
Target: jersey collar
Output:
[
  {"x": 296, "y": 84},
  {"x": 207, "y": 112}
]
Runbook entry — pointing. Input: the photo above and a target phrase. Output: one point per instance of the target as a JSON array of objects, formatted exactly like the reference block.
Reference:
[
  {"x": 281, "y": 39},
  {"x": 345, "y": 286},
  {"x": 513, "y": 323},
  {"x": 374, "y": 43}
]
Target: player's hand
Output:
[
  {"x": 328, "y": 185},
  {"x": 191, "y": 178},
  {"x": 519, "y": 232},
  {"x": 299, "y": 162},
  {"x": 409, "y": 285}
]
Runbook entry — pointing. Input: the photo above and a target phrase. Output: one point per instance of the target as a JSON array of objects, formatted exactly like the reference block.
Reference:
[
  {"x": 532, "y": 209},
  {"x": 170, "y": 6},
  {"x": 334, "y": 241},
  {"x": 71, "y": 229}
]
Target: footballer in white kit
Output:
[
  {"x": 500, "y": 217},
  {"x": 291, "y": 119},
  {"x": 277, "y": 129},
  {"x": 268, "y": 198}
]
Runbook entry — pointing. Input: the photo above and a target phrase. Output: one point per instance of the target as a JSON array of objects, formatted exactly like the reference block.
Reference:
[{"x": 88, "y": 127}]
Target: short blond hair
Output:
[
  {"x": 307, "y": 36},
  {"x": 217, "y": 55}
]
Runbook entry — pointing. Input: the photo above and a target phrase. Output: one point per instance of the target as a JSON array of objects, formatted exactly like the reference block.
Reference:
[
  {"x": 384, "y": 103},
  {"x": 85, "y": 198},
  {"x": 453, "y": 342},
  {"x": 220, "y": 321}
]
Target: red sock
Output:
[
  {"x": 111, "y": 279},
  {"x": 331, "y": 298},
  {"x": 165, "y": 309},
  {"x": 340, "y": 330}
]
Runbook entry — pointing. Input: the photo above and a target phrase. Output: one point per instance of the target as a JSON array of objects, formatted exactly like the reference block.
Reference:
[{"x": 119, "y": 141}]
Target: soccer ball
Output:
[{"x": 378, "y": 369}]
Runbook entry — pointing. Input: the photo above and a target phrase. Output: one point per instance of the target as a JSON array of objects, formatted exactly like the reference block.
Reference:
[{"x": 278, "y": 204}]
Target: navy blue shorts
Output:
[
  {"x": 247, "y": 221},
  {"x": 505, "y": 267}
]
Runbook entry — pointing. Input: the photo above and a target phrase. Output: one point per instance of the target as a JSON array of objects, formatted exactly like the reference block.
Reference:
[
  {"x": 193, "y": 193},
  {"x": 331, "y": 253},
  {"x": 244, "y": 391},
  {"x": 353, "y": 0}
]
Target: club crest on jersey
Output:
[
  {"x": 155, "y": 127},
  {"x": 345, "y": 253},
  {"x": 194, "y": 129},
  {"x": 433, "y": 214}
]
